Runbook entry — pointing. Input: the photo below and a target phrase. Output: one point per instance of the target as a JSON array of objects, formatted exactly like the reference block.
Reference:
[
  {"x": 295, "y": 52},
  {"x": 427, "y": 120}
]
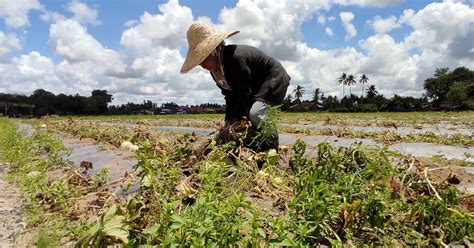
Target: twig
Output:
[
  {"x": 110, "y": 197},
  {"x": 333, "y": 232},
  {"x": 440, "y": 168},
  {"x": 431, "y": 186},
  {"x": 408, "y": 171},
  {"x": 404, "y": 177}
]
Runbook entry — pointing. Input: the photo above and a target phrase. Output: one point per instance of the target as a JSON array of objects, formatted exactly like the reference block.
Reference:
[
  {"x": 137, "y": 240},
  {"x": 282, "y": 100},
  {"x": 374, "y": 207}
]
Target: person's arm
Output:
[
  {"x": 230, "y": 113},
  {"x": 237, "y": 100},
  {"x": 274, "y": 78}
]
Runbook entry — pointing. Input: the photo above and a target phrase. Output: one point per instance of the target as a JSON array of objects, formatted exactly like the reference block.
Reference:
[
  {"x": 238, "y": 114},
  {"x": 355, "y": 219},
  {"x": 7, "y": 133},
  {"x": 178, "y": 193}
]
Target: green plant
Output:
[
  {"x": 266, "y": 133},
  {"x": 101, "y": 178},
  {"x": 109, "y": 227}
]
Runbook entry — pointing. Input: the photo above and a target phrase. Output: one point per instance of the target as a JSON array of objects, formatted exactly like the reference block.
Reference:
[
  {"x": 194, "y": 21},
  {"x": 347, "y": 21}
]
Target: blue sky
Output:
[
  {"x": 114, "y": 15},
  {"x": 114, "y": 45}
]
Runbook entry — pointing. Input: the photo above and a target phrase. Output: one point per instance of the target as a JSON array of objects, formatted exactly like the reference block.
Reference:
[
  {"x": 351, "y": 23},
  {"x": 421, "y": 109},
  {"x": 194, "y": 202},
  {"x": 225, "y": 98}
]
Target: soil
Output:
[
  {"x": 459, "y": 177},
  {"x": 12, "y": 222}
]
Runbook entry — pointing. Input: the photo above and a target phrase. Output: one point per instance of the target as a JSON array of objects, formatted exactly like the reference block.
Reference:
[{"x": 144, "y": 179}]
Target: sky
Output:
[{"x": 134, "y": 49}]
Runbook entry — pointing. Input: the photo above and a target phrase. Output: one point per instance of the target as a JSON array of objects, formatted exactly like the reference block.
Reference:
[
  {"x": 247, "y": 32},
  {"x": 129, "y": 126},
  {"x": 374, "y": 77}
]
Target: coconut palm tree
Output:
[
  {"x": 316, "y": 96},
  {"x": 350, "y": 80},
  {"x": 342, "y": 80},
  {"x": 371, "y": 92},
  {"x": 363, "y": 80},
  {"x": 298, "y": 91}
]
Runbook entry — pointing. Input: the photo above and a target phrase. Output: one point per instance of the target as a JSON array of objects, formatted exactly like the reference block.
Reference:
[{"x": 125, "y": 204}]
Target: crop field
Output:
[{"x": 382, "y": 179}]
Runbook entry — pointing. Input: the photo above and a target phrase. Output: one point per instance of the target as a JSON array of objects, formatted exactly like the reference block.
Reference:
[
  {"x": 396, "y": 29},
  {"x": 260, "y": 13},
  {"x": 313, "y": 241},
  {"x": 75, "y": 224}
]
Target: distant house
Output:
[
  {"x": 446, "y": 106},
  {"x": 305, "y": 106},
  {"x": 14, "y": 109},
  {"x": 182, "y": 111},
  {"x": 148, "y": 112},
  {"x": 165, "y": 111}
]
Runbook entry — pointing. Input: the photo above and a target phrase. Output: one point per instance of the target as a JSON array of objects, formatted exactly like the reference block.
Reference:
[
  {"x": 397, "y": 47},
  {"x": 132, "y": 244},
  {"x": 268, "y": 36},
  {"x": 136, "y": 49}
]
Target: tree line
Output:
[
  {"x": 47, "y": 103},
  {"x": 444, "y": 90},
  {"x": 98, "y": 103},
  {"x": 447, "y": 89}
]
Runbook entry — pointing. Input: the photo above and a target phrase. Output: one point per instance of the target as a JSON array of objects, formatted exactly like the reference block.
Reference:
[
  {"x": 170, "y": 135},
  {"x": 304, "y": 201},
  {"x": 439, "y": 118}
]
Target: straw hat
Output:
[{"x": 202, "y": 40}]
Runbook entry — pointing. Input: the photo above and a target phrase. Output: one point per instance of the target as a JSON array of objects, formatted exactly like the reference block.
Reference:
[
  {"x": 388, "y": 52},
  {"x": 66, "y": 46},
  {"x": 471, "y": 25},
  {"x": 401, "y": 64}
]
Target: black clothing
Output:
[{"x": 253, "y": 76}]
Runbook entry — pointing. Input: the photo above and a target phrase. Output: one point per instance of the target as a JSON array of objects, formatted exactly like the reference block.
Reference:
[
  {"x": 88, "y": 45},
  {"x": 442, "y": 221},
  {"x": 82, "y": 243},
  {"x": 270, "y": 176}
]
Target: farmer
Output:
[{"x": 250, "y": 80}]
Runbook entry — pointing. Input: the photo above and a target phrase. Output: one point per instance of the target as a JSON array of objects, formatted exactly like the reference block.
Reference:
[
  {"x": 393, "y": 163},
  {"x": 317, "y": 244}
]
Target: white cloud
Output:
[
  {"x": 51, "y": 16},
  {"x": 15, "y": 12},
  {"x": 131, "y": 23},
  {"x": 369, "y": 3},
  {"x": 33, "y": 65},
  {"x": 382, "y": 26},
  {"x": 272, "y": 26},
  {"x": 438, "y": 24},
  {"x": 346, "y": 19},
  {"x": 83, "y": 13},
  {"x": 322, "y": 19},
  {"x": 329, "y": 31},
  {"x": 8, "y": 43},
  {"x": 146, "y": 67},
  {"x": 29, "y": 72},
  {"x": 71, "y": 40},
  {"x": 444, "y": 33},
  {"x": 167, "y": 29}
]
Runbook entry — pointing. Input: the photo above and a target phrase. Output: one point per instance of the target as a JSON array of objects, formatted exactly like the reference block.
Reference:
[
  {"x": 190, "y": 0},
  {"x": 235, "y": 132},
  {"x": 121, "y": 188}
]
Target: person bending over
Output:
[{"x": 250, "y": 80}]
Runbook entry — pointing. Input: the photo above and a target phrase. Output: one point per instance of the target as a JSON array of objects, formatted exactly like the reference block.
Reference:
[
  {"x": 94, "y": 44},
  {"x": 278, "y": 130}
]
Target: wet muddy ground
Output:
[
  {"x": 118, "y": 161},
  {"x": 438, "y": 129},
  {"x": 12, "y": 222},
  {"x": 415, "y": 149}
]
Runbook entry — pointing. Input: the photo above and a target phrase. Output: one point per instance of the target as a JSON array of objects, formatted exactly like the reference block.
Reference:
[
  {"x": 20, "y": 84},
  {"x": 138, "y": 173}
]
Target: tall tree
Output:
[
  {"x": 350, "y": 80},
  {"x": 363, "y": 80},
  {"x": 437, "y": 87},
  {"x": 298, "y": 91},
  {"x": 102, "y": 99},
  {"x": 316, "y": 97},
  {"x": 371, "y": 92},
  {"x": 342, "y": 81},
  {"x": 44, "y": 101},
  {"x": 287, "y": 102}
]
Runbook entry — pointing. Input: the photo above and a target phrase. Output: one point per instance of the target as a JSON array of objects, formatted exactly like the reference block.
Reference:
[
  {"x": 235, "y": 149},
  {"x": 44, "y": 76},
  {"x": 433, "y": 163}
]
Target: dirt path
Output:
[{"x": 12, "y": 223}]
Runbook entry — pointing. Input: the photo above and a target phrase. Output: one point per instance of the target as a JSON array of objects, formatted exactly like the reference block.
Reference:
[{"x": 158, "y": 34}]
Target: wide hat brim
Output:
[{"x": 197, "y": 54}]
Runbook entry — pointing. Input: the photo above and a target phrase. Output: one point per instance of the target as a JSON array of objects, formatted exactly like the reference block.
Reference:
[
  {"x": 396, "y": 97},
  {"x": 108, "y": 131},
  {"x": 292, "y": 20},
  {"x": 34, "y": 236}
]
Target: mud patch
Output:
[
  {"x": 12, "y": 222},
  {"x": 467, "y": 202},
  {"x": 454, "y": 175}
]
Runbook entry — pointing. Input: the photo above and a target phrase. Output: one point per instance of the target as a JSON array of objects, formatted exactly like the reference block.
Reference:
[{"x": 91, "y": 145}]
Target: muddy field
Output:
[{"x": 431, "y": 153}]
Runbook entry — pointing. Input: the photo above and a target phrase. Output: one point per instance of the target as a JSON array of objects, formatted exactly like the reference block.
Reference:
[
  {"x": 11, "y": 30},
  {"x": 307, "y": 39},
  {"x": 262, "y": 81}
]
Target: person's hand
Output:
[{"x": 227, "y": 124}]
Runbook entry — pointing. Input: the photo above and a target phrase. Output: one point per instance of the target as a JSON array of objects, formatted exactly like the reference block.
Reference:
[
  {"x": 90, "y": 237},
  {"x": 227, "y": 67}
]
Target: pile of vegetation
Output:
[{"x": 193, "y": 192}]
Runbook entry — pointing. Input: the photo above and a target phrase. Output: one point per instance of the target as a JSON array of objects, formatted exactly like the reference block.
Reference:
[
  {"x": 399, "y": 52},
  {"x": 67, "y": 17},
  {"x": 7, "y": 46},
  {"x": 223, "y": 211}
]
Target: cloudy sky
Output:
[{"x": 135, "y": 48}]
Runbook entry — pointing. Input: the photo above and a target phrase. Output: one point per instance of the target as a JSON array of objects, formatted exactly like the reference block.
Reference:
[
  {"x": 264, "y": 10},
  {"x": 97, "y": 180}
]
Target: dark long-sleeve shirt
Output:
[{"x": 253, "y": 76}]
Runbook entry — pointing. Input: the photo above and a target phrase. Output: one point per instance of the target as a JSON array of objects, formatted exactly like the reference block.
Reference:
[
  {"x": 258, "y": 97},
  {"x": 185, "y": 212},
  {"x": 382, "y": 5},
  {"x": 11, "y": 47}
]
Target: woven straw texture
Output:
[{"x": 202, "y": 40}]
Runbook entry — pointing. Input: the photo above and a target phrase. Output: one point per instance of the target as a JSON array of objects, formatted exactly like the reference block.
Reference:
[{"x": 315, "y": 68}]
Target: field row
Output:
[{"x": 192, "y": 192}]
